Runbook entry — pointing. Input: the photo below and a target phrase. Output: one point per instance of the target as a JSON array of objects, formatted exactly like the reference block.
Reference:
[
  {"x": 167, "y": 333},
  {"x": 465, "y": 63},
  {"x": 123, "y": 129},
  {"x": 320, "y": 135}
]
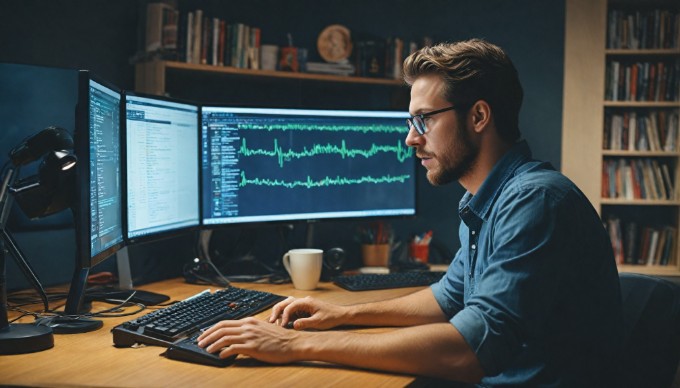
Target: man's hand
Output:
[
  {"x": 251, "y": 337},
  {"x": 308, "y": 313}
]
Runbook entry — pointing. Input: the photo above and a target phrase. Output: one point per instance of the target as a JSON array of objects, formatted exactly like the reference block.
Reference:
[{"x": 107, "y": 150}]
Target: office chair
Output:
[{"x": 651, "y": 313}]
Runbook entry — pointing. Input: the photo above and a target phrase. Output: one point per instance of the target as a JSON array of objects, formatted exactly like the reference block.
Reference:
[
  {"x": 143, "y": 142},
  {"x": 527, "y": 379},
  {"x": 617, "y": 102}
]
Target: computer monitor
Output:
[
  {"x": 161, "y": 156},
  {"x": 281, "y": 165},
  {"x": 98, "y": 205}
]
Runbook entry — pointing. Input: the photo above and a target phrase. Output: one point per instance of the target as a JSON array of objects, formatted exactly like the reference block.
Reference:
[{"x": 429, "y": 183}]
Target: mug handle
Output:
[{"x": 286, "y": 261}]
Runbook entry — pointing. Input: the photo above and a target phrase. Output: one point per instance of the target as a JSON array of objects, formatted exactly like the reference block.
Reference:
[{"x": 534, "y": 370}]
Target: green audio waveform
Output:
[
  {"x": 386, "y": 128},
  {"x": 325, "y": 182},
  {"x": 401, "y": 152}
]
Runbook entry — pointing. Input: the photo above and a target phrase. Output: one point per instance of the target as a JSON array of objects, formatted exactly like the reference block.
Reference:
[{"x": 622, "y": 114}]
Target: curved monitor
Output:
[
  {"x": 269, "y": 165},
  {"x": 161, "y": 157}
]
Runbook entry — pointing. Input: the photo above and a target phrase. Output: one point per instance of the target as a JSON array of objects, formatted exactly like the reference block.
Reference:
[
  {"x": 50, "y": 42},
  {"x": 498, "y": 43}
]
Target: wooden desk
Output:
[{"x": 90, "y": 359}]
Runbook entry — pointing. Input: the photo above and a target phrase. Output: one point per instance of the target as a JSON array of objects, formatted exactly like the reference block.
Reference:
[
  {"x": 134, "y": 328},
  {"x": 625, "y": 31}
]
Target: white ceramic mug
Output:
[{"x": 304, "y": 267}]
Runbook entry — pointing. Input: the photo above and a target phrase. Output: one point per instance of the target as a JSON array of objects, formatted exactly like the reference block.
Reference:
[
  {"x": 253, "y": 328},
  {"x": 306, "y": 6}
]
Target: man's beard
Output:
[{"x": 457, "y": 162}]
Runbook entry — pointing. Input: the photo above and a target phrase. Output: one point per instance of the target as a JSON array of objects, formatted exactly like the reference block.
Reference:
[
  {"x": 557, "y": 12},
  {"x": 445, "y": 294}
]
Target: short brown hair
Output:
[{"x": 473, "y": 70}]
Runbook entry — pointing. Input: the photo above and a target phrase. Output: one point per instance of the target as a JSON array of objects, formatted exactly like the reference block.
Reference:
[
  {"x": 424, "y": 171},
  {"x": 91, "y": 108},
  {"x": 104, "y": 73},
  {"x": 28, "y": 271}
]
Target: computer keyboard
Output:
[
  {"x": 372, "y": 281},
  {"x": 175, "y": 324}
]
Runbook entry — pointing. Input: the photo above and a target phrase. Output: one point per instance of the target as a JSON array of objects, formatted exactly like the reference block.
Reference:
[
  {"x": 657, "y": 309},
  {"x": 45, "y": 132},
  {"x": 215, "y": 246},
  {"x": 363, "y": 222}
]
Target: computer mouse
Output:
[{"x": 69, "y": 325}]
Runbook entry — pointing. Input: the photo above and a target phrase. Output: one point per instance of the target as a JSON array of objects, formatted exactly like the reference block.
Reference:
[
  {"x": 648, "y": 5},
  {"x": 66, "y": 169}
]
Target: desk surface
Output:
[{"x": 90, "y": 359}]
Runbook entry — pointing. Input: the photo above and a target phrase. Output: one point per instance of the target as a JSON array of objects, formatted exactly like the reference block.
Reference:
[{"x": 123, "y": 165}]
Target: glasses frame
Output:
[{"x": 418, "y": 121}]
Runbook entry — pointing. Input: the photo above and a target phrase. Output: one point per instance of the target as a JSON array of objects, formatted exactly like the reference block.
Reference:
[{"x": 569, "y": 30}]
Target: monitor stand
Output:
[
  {"x": 126, "y": 287},
  {"x": 309, "y": 240},
  {"x": 78, "y": 301},
  {"x": 72, "y": 322}
]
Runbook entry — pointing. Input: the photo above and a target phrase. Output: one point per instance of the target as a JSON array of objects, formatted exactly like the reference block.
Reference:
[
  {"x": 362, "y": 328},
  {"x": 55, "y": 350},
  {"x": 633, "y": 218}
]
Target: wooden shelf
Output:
[
  {"x": 658, "y": 270},
  {"x": 626, "y": 153},
  {"x": 643, "y": 202},
  {"x": 642, "y": 104},
  {"x": 160, "y": 77},
  {"x": 651, "y": 52},
  {"x": 280, "y": 74}
]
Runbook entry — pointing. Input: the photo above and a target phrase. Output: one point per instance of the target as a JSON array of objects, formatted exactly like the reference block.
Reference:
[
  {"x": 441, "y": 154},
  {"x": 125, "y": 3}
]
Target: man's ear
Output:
[{"x": 480, "y": 114}]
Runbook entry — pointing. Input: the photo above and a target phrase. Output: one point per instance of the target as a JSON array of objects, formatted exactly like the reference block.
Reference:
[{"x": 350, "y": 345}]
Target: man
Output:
[{"x": 532, "y": 296}]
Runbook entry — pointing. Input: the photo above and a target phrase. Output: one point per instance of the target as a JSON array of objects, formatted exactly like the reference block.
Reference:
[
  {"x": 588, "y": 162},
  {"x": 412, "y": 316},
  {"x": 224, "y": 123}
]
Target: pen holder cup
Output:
[
  {"x": 420, "y": 252},
  {"x": 375, "y": 255},
  {"x": 289, "y": 59}
]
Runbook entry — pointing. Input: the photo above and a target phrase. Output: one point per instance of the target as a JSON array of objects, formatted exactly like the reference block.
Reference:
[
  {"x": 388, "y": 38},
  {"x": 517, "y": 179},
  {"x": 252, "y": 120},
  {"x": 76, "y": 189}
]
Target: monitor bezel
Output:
[
  {"x": 82, "y": 151},
  {"x": 160, "y": 235},
  {"x": 255, "y": 224}
]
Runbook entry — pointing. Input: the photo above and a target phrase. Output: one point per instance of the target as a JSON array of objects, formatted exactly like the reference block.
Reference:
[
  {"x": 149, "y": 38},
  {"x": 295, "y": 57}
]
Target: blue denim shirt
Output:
[{"x": 534, "y": 287}]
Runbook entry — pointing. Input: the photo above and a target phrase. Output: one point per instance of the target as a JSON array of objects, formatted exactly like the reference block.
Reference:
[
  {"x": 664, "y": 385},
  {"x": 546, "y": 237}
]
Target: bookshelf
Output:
[{"x": 634, "y": 184}]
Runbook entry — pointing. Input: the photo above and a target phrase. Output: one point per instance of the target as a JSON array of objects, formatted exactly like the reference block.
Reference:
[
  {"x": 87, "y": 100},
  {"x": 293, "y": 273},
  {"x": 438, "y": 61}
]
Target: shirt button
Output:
[
  {"x": 474, "y": 246},
  {"x": 473, "y": 232}
]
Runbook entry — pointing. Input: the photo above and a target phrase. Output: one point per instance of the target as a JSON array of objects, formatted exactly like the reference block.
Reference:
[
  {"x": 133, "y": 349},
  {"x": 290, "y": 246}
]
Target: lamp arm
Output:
[
  {"x": 25, "y": 267},
  {"x": 11, "y": 245}
]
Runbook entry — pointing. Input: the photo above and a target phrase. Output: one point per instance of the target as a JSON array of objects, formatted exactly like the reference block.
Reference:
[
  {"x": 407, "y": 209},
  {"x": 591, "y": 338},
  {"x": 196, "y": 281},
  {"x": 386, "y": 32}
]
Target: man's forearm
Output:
[
  {"x": 414, "y": 309},
  {"x": 436, "y": 350}
]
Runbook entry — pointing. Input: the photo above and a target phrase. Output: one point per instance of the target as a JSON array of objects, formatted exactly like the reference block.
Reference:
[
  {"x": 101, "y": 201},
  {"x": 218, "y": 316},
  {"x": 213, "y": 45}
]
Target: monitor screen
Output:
[
  {"x": 265, "y": 165},
  {"x": 161, "y": 169},
  {"x": 98, "y": 147}
]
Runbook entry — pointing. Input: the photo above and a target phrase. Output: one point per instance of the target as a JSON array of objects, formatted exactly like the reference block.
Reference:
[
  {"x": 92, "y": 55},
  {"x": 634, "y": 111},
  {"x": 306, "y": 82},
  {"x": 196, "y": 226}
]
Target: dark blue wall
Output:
[{"x": 102, "y": 36}]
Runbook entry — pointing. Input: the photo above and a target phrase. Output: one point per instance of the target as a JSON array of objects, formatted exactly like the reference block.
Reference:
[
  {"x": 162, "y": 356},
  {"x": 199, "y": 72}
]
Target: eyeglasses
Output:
[{"x": 418, "y": 121}]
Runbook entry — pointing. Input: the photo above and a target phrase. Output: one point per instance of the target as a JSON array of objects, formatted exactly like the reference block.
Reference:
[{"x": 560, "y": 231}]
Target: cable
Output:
[{"x": 24, "y": 298}]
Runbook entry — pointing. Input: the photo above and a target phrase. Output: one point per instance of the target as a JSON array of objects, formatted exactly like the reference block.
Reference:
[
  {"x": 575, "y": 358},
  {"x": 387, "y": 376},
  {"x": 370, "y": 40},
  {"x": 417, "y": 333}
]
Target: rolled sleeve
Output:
[{"x": 448, "y": 292}]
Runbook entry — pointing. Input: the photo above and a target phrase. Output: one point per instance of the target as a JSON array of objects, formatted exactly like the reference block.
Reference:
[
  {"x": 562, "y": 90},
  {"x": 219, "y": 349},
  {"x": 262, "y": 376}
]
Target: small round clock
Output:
[{"x": 334, "y": 43}]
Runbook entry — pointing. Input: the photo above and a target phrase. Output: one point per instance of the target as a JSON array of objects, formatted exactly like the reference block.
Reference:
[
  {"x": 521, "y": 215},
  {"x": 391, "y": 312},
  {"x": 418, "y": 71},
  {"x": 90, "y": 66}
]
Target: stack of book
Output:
[
  {"x": 633, "y": 178},
  {"x": 331, "y": 68},
  {"x": 213, "y": 41},
  {"x": 635, "y": 29},
  {"x": 656, "y": 130},
  {"x": 641, "y": 244},
  {"x": 161, "y": 27},
  {"x": 383, "y": 58},
  {"x": 194, "y": 37},
  {"x": 643, "y": 81}
]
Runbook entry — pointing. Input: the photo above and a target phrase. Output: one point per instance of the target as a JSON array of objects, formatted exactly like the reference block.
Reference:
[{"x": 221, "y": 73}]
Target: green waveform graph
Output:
[
  {"x": 402, "y": 153},
  {"x": 310, "y": 183},
  {"x": 383, "y": 128}
]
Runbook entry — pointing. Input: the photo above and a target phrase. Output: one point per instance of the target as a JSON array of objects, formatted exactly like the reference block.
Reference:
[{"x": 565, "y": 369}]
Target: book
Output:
[
  {"x": 614, "y": 229},
  {"x": 189, "y": 39},
  {"x": 653, "y": 244},
  {"x": 658, "y": 180},
  {"x": 631, "y": 242},
  {"x": 197, "y": 36},
  {"x": 155, "y": 19}
]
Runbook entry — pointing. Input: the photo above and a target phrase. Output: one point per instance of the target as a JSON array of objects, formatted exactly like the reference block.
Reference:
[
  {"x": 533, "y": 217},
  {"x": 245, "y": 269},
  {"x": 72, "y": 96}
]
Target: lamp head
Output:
[
  {"x": 53, "y": 188},
  {"x": 49, "y": 139}
]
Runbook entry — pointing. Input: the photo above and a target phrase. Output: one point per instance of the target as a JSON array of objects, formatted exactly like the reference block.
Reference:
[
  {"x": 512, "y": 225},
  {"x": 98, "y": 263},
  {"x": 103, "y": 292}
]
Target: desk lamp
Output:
[{"x": 46, "y": 193}]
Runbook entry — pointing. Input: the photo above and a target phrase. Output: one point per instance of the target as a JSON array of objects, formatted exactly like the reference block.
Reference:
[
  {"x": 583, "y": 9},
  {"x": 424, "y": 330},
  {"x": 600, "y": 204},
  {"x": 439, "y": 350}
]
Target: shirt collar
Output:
[{"x": 480, "y": 204}]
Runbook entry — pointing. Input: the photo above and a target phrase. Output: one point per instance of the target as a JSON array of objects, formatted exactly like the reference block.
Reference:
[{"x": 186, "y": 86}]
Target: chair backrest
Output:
[{"x": 651, "y": 311}]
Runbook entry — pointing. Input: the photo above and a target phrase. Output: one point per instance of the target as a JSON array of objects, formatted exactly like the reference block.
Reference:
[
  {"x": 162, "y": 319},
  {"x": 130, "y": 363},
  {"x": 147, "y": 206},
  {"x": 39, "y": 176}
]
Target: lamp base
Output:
[{"x": 19, "y": 338}]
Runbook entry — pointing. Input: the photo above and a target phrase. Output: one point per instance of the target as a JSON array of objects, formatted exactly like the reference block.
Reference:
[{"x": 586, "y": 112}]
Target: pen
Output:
[{"x": 427, "y": 238}]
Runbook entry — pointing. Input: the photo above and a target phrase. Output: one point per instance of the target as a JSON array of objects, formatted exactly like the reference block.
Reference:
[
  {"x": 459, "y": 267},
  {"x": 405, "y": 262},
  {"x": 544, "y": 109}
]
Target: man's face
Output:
[{"x": 445, "y": 150}]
